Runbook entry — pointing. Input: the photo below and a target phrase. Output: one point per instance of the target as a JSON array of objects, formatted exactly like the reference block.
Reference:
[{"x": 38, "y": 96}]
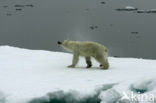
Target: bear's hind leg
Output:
[
  {"x": 88, "y": 62},
  {"x": 105, "y": 64},
  {"x": 103, "y": 61}
]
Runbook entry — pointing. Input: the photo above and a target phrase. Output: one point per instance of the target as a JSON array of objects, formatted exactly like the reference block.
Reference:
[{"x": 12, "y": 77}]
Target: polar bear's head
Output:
[{"x": 66, "y": 44}]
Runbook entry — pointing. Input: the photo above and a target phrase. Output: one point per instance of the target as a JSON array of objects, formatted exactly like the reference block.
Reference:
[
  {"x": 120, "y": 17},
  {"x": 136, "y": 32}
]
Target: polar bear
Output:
[{"x": 87, "y": 49}]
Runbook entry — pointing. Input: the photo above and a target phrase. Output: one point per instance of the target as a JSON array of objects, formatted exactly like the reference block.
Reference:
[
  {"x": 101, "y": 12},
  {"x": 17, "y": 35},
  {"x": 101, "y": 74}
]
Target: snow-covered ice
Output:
[
  {"x": 130, "y": 7},
  {"x": 27, "y": 76},
  {"x": 127, "y": 8}
]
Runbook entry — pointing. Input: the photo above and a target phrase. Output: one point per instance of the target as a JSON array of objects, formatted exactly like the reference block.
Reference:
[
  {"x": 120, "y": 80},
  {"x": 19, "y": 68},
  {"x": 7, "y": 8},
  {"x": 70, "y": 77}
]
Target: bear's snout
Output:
[{"x": 59, "y": 42}]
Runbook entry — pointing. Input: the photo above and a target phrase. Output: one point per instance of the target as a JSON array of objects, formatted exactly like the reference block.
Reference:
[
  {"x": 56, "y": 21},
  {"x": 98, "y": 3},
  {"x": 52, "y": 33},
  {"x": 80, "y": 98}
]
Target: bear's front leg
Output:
[
  {"x": 88, "y": 62},
  {"x": 75, "y": 60}
]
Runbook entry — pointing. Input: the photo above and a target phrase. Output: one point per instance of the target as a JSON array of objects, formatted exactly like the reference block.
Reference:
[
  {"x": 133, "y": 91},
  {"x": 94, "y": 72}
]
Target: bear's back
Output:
[{"x": 88, "y": 48}]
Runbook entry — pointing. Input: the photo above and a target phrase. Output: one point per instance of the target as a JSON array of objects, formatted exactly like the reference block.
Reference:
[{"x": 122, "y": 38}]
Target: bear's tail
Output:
[{"x": 105, "y": 49}]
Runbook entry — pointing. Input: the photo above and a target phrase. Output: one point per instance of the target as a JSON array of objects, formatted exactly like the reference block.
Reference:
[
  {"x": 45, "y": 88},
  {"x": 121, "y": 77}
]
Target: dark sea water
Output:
[{"x": 39, "y": 24}]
